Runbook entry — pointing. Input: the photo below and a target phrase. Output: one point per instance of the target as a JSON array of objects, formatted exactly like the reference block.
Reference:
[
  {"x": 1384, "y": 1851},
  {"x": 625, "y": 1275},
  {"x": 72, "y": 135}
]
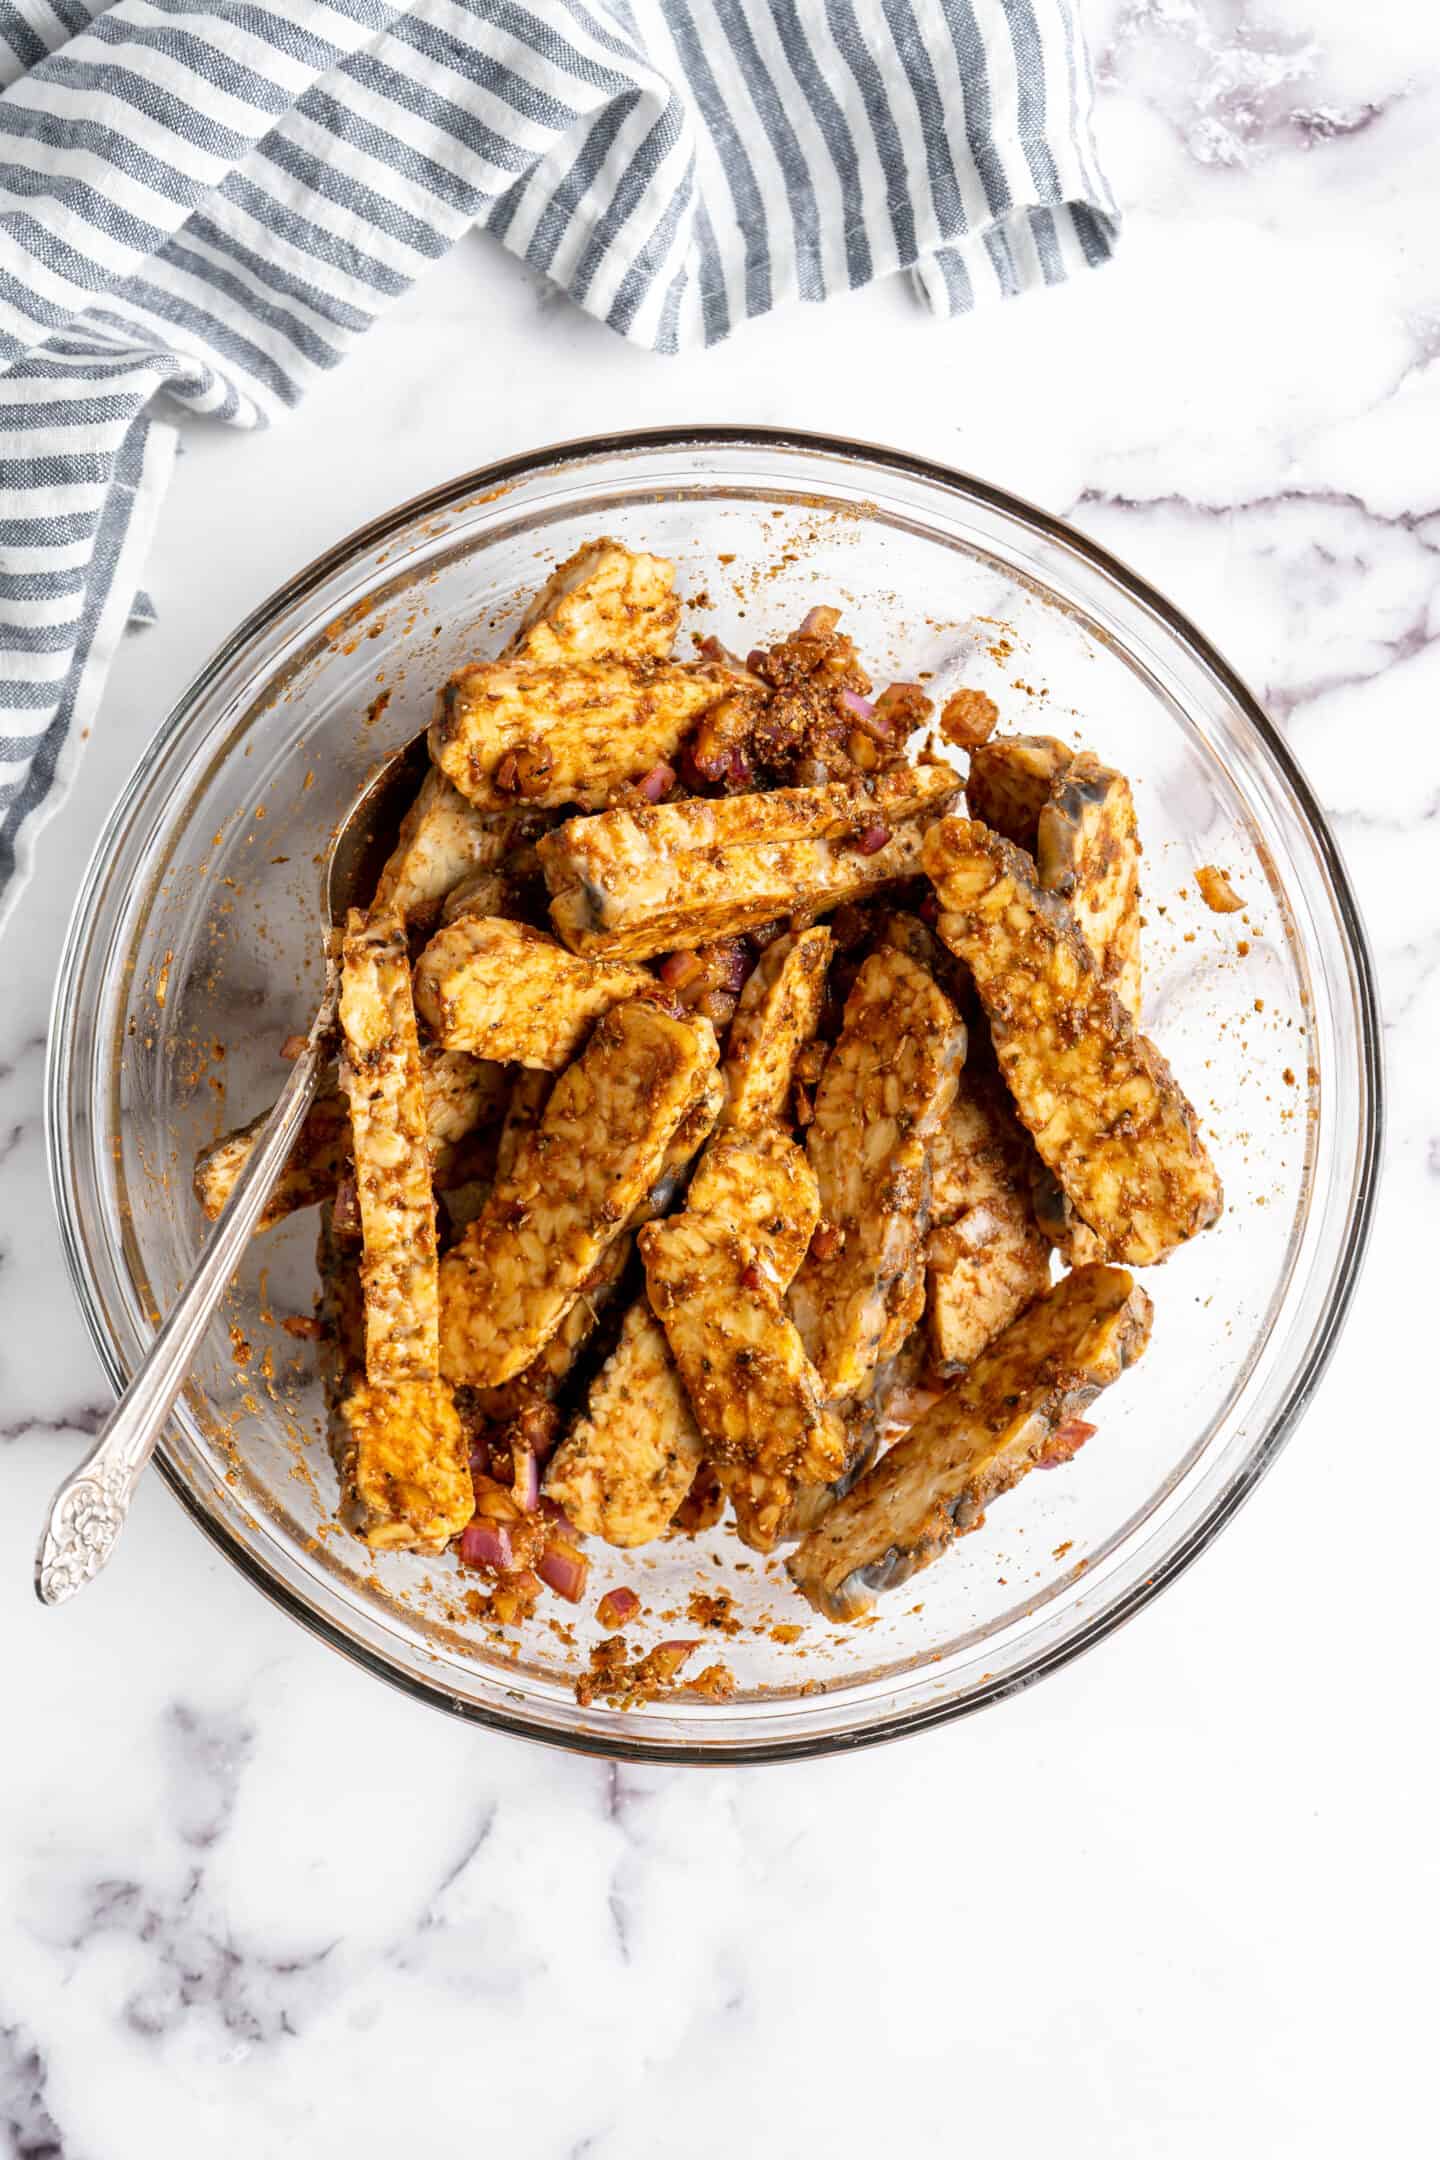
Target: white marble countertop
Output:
[{"x": 1181, "y": 1896}]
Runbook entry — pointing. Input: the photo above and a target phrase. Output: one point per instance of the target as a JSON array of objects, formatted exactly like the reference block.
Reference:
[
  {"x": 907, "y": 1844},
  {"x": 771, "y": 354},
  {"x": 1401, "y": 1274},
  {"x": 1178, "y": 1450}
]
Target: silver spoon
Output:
[{"x": 88, "y": 1512}]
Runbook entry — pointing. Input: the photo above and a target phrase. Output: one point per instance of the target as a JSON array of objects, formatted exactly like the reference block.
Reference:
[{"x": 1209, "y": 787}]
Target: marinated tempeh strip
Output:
[
  {"x": 603, "y": 600},
  {"x": 986, "y": 1258},
  {"x": 755, "y": 1395},
  {"x": 575, "y": 1182},
  {"x": 544, "y": 1376},
  {"x": 461, "y": 1094},
  {"x": 311, "y": 1171},
  {"x": 887, "y": 1085},
  {"x": 1087, "y": 849},
  {"x": 381, "y": 1076},
  {"x": 1006, "y": 1416},
  {"x": 772, "y": 1508},
  {"x": 564, "y": 732},
  {"x": 442, "y": 839},
  {"x": 502, "y": 990},
  {"x": 1099, "y": 1100},
  {"x": 482, "y": 892},
  {"x": 979, "y": 1273},
  {"x": 404, "y": 1476},
  {"x": 777, "y": 1016},
  {"x": 407, "y": 1466},
  {"x": 1010, "y": 781},
  {"x": 626, "y": 1465},
  {"x": 759, "y": 1185},
  {"x": 1077, "y": 818},
  {"x": 638, "y": 881}
]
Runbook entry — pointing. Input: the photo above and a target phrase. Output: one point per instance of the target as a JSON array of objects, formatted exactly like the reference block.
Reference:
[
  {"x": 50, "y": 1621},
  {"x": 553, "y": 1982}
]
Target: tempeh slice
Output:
[
  {"x": 637, "y": 881},
  {"x": 887, "y": 1085},
  {"x": 1099, "y": 1100},
  {"x": 442, "y": 839},
  {"x": 502, "y": 990},
  {"x": 1087, "y": 849},
  {"x": 542, "y": 1379},
  {"x": 565, "y": 732},
  {"x": 602, "y": 601},
  {"x": 864, "y": 1419},
  {"x": 311, "y": 1170},
  {"x": 777, "y": 1016},
  {"x": 760, "y": 1185},
  {"x": 986, "y": 1258},
  {"x": 1006, "y": 1417},
  {"x": 627, "y": 1464},
  {"x": 1077, "y": 818},
  {"x": 1010, "y": 781},
  {"x": 461, "y": 1094},
  {"x": 402, "y": 1465},
  {"x": 381, "y": 1075},
  {"x": 544, "y": 1376},
  {"x": 755, "y": 1395},
  {"x": 576, "y": 1181},
  {"x": 407, "y": 1467}
]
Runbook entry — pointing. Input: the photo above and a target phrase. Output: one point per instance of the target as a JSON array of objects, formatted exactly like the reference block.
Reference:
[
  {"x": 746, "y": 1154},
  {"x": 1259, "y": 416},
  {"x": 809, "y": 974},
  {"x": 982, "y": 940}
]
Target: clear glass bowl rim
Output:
[{"x": 435, "y": 502}]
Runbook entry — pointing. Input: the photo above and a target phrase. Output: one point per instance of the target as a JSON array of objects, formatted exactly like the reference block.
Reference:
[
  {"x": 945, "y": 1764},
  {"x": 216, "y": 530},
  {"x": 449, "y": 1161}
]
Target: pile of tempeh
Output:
[{"x": 712, "y": 1101}]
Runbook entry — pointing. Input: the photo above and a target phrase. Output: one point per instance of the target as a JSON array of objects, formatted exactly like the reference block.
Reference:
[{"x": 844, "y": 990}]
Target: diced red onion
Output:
[
  {"x": 819, "y": 621},
  {"x": 755, "y": 657},
  {"x": 680, "y": 968},
  {"x": 738, "y": 769},
  {"x": 527, "y": 1479},
  {"x": 657, "y": 782},
  {"x": 486, "y": 1544},
  {"x": 860, "y": 708},
  {"x": 479, "y": 1455},
  {"x": 670, "y": 1656},
  {"x": 1066, "y": 1441},
  {"x": 564, "y": 1570},
  {"x": 872, "y": 839},
  {"x": 617, "y": 1608},
  {"x": 708, "y": 764}
]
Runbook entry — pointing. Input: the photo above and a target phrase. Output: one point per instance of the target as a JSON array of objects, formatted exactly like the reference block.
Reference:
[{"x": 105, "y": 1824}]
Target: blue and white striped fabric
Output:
[{"x": 202, "y": 206}]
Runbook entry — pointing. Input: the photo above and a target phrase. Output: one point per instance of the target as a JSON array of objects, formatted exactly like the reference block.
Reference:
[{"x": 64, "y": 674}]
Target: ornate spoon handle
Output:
[{"x": 88, "y": 1512}]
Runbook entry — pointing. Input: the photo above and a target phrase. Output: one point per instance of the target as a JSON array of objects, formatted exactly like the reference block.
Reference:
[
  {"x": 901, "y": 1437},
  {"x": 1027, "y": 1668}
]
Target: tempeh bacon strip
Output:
[
  {"x": 575, "y": 1182},
  {"x": 1099, "y": 1100},
  {"x": 1007, "y": 1416}
]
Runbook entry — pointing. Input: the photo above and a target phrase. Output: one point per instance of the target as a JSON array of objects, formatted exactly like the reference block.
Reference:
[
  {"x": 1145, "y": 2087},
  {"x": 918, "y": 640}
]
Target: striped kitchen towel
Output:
[{"x": 204, "y": 202}]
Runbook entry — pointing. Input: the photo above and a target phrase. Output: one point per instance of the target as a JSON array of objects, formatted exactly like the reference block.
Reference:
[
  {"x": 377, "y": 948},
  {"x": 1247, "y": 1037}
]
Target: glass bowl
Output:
[{"x": 191, "y": 957}]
